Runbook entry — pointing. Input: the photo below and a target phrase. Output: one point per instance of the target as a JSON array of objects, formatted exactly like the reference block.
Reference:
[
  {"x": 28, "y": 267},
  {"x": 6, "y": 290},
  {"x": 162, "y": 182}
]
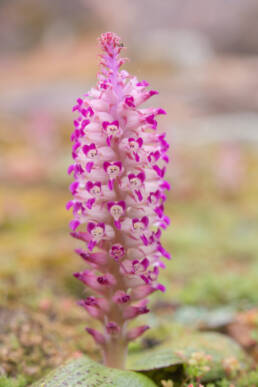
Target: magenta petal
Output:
[
  {"x": 160, "y": 172},
  {"x": 89, "y": 166},
  {"x": 94, "y": 312},
  {"x": 69, "y": 204},
  {"x": 122, "y": 204},
  {"x": 165, "y": 158},
  {"x": 91, "y": 112},
  {"x": 158, "y": 233},
  {"x": 140, "y": 142},
  {"x": 89, "y": 186},
  {"x": 161, "y": 111},
  {"x": 97, "y": 336},
  {"x": 105, "y": 124},
  {"x": 119, "y": 164},
  {"x": 141, "y": 176},
  {"x": 98, "y": 258},
  {"x": 162, "y": 265},
  {"x": 103, "y": 280},
  {"x": 110, "y": 184},
  {"x": 117, "y": 251},
  {"x": 85, "y": 149},
  {"x": 145, "y": 240},
  {"x": 164, "y": 252},
  {"x": 88, "y": 301},
  {"x": 142, "y": 83},
  {"x": 90, "y": 203},
  {"x": 165, "y": 185},
  {"x": 134, "y": 220},
  {"x": 110, "y": 204},
  {"x": 106, "y": 164},
  {"x": 153, "y": 92},
  {"x": 145, "y": 262},
  {"x": 161, "y": 287},
  {"x": 130, "y": 101},
  {"x": 136, "y": 332},
  {"x": 91, "y": 245},
  {"x": 137, "y": 158},
  {"x": 101, "y": 224},
  {"x": 91, "y": 226},
  {"x": 150, "y": 120},
  {"x": 121, "y": 297},
  {"x": 92, "y": 146},
  {"x": 145, "y": 221},
  {"x": 142, "y": 291},
  {"x": 70, "y": 169},
  {"x": 73, "y": 187},
  {"x": 117, "y": 224},
  {"x": 166, "y": 220},
  {"x": 83, "y": 236},
  {"x": 134, "y": 311},
  {"x": 139, "y": 195},
  {"x": 112, "y": 328},
  {"x": 74, "y": 224},
  {"x": 84, "y": 124}
]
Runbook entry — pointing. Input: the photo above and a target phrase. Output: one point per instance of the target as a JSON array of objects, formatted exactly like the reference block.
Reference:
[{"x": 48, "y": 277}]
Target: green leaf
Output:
[
  {"x": 153, "y": 359},
  {"x": 158, "y": 364},
  {"x": 177, "y": 352},
  {"x": 166, "y": 361},
  {"x": 216, "y": 344},
  {"x": 84, "y": 372}
]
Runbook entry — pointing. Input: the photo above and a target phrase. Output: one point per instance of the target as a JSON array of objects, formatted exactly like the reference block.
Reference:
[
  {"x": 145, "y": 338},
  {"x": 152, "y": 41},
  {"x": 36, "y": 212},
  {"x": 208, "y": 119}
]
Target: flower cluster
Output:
[
  {"x": 118, "y": 199},
  {"x": 197, "y": 366}
]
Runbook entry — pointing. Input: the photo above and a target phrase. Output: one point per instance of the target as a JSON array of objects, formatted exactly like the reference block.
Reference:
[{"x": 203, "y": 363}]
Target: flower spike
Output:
[{"x": 118, "y": 200}]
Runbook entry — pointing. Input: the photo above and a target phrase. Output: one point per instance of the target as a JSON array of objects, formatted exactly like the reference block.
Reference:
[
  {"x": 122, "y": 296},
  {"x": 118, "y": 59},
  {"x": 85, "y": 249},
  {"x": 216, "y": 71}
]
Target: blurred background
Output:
[{"x": 203, "y": 58}]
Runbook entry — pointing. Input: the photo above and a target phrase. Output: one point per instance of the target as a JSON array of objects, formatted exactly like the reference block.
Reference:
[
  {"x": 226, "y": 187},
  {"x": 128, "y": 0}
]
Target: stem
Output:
[
  {"x": 114, "y": 354},
  {"x": 115, "y": 350}
]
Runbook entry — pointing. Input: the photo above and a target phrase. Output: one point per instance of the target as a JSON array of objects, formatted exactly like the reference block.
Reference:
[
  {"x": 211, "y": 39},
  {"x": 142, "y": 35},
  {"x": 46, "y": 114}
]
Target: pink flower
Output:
[
  {"x": 118, "y": 200},
  {"x": 117, "y": 251},
  {"x": 112, "y": 130}
]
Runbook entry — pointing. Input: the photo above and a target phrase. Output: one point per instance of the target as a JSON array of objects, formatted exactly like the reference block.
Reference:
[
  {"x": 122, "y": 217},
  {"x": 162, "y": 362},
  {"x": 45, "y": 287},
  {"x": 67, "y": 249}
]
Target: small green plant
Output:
[
  {"x": 249, "y": 380},
  {"x": 232, "y": 367},
  {"x": 10, "y": 382},
  {"x": 196, "y": 367}
]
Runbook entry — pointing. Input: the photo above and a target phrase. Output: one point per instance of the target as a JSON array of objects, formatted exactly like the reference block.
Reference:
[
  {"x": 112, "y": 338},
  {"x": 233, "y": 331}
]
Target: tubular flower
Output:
[{"x": 118, "y": 200}]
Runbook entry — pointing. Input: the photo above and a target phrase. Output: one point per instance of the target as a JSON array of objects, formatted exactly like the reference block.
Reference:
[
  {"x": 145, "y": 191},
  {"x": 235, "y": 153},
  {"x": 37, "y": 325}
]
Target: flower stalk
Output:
[{"x": 118, "y": 201}]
